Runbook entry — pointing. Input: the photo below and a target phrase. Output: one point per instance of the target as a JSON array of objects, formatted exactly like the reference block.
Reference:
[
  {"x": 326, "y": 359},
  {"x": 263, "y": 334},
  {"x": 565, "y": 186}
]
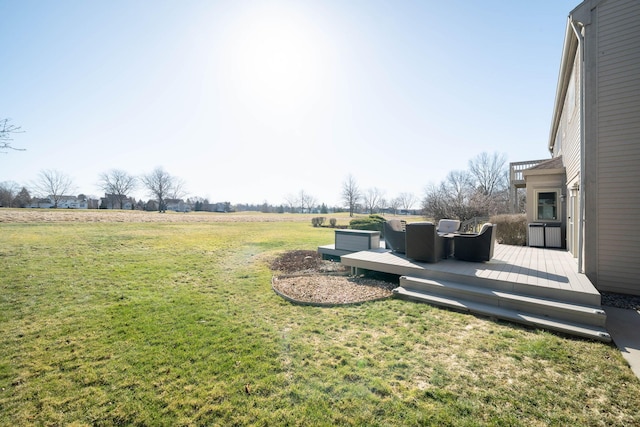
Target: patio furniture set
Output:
[{"x": 426, "y": 242}]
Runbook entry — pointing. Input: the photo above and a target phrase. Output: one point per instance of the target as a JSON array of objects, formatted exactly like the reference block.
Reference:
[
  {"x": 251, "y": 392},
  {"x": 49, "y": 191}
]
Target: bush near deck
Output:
[
  {"x": 511, "y": 229},
  {"x": 175, "y": 323},
  {"x": 371, "y": 223}
]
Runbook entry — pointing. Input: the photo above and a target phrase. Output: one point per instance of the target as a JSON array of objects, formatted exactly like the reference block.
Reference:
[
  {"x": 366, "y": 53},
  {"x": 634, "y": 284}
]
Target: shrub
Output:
[
  {"x": 512, "y": 229},
  {"x": 333, "y": 222},
  {"x": 372, "y": 222},
  {"x": 318, "y": 221}
]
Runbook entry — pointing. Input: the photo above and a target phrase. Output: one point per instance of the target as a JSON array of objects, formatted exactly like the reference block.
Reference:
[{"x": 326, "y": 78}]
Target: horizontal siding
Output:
[
  {"x": 627, "y": 116},
  {"x": 620, "y": 42},
  {"x": 621, "y": 228},
  {"x": 626, "y": 83},
  {"x": 617, "y": 10},
  {"x": 618, "y": 152},
  {"x": 569, "y": 128},
  {"x": 626, "y": 87},
  {"x": 623, "y": 151}
]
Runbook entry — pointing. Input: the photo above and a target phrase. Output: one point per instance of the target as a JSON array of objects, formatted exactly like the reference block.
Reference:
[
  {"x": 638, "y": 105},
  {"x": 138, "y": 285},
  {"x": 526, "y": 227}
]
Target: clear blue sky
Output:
[{"x": 250, "y": 101}]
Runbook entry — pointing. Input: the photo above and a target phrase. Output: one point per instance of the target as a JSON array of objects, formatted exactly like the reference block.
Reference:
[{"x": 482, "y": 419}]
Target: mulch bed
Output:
[{"x": 304, "y": 277}]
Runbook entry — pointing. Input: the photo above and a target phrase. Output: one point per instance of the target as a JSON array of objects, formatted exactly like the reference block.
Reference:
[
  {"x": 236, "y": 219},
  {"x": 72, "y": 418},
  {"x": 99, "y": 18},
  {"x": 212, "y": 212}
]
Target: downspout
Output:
[{"x": 580, "y": 49}]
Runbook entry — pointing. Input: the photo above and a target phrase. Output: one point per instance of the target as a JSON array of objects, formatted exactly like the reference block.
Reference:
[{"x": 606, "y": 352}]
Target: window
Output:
[{"x": 548, "y": 205}]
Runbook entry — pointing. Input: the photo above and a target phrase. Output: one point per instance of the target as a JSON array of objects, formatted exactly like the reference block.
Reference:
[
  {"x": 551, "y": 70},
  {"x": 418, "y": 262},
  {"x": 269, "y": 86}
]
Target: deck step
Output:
[
  {"x": 585, "y": 321},
  {"x": 545, "y": 307}
]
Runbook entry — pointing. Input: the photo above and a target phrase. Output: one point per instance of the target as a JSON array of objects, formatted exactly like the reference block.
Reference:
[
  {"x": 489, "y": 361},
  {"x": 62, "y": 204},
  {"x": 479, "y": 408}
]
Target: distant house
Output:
[
  {"x": 64, "y": 202},
  {"x": 177, "y": 205},
  {"x": 93, "y": 203},
  {"x": 113, "y": 201},
  {"x": 43, "y": 203},
  {"x": 591, "y": 186}
]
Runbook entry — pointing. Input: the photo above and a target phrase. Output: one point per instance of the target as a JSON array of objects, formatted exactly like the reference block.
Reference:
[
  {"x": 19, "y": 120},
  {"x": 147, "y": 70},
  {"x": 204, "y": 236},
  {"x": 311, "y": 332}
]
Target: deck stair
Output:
[{"x": 574, "y": 318}]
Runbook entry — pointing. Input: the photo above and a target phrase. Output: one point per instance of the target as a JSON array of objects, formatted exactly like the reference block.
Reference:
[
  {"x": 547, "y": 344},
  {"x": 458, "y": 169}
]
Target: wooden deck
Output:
[
  {"x": 536, "y": 286},
  {"x": 534, "y": 271}
]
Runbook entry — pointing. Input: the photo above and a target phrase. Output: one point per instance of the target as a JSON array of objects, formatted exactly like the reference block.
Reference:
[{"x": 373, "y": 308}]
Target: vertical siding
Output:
[{"x": 618, "y": 145}]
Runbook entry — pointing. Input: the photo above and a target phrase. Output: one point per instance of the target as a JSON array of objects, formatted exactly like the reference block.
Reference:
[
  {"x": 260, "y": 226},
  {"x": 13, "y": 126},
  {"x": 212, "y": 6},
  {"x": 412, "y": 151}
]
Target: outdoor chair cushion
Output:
[
  {"x": 448, "y": 225},
  {"x": 476, "y": 247}
]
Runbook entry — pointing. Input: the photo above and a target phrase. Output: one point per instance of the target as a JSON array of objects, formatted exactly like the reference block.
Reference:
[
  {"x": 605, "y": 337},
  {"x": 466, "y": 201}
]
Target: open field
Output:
[
  {"x": 99, "y": 215},
  {"x": 148, "y": 319}
]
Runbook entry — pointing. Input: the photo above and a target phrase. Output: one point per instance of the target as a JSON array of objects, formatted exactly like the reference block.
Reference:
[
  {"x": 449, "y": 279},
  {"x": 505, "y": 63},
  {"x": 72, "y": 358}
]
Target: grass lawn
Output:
[{"x": 175, "y": 323}]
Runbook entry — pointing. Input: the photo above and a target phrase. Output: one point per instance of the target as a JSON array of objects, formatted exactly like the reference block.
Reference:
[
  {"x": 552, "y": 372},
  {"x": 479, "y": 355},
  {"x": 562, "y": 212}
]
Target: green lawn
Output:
[{"x": 176, "y": 324}]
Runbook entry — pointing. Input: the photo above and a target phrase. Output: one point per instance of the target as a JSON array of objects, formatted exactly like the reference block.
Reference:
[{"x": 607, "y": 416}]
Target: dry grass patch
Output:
[{"x": 10, "y": 215}]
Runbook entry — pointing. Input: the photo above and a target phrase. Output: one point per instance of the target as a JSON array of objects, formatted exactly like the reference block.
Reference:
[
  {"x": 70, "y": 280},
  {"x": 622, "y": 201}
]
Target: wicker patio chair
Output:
[
  {"x": 394, "y": 235},
  {"x": 424, "y": 243},
  {"x": 476, "y": 247}
]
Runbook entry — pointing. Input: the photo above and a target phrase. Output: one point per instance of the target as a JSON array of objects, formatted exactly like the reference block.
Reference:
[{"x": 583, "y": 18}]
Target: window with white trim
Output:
[{"x": 547, "y": 205}]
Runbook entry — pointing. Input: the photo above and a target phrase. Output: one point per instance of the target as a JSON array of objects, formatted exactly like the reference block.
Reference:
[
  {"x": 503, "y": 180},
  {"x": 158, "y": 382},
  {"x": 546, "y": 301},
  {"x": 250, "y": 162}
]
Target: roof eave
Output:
[
  {"x": 580, "y": 14},
  {"x": 539, "y": 172},
  {"x": 564, "y": 76}
]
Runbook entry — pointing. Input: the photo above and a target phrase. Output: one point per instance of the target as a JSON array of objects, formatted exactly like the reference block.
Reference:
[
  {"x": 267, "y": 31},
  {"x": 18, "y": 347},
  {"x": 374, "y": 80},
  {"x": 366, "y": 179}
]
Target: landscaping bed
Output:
[{"x": 304, "y": 277}]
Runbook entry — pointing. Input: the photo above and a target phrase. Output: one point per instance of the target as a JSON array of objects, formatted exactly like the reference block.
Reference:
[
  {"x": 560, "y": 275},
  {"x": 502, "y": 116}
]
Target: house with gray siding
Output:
[{"x": 591, "y": 186}]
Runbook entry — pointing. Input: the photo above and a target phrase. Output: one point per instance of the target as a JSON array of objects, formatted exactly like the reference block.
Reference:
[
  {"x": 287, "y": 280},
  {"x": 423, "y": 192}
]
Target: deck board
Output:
[{"x": 513, "y": 267}]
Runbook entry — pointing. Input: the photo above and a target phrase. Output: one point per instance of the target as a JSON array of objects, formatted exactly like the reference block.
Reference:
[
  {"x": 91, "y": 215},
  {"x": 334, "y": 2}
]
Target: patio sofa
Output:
[
  {"x": 423, "y": 243},
  {"x": 476, "y": 247},
  {"x": 394, "y": 235}
]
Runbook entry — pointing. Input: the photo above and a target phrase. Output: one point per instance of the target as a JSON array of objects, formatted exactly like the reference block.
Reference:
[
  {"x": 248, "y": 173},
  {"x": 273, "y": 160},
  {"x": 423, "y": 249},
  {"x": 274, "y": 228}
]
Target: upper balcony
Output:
[{"x": 516, "y": 169}]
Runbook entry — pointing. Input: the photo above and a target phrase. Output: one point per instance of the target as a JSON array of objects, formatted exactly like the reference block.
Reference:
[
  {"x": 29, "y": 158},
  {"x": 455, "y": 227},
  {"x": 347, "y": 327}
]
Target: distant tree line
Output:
[
  {"x": 482, "y": 190},
  {"x": 117, "y": 184},
  {"x": 372, "y": 200}
]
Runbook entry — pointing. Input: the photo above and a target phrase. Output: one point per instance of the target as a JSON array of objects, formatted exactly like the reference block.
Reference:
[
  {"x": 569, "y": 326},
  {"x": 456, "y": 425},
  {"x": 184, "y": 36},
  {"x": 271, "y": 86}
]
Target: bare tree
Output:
[
  {"x": 383, "y": 204},
  {"x": 489, "y": 173},
  {"x": 179, "y": 189},
  {"x": 406, "y": 201},
  {"x": 459, "y": 187},
  {"x": 434, "y": 204},
  {"x": 306, "y": 201},
  {"x": 117, "y": 184},
  {"x": 451, "y": 198},
  {"x": 54, "y": 184},
  {"x": 395, "y": 204},
  {"x": 481, "y": 191},
  {"x": 6, "y": 130},
  {"x": 8, "y": 193},
  {"x": 291, "y": 200},
  {"x": 160, "y": 185},
  {"x": 491, "y": 180},
  {"x": 351, "y": 194},
  {"x": 372, "y": 199}
]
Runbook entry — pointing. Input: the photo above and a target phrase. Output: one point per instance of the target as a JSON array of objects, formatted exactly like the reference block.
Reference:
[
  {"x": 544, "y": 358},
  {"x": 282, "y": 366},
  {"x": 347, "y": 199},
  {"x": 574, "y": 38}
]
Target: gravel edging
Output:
[{"x": 611, "y": 299}]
